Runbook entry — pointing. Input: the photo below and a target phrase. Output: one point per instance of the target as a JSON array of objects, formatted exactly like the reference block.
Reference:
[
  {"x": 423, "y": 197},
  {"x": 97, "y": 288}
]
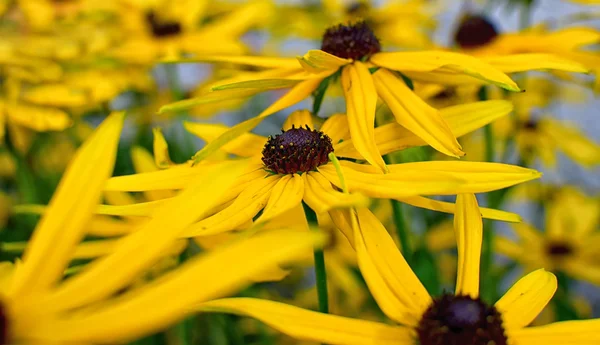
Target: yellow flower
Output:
[
  {"x": 569, "y": 244},
  {"x": 353, "y": 54},
  {"x": 37, "y": 306},
  {"x": 293, "y": 167},
  {"x": 459, "y": 318}
]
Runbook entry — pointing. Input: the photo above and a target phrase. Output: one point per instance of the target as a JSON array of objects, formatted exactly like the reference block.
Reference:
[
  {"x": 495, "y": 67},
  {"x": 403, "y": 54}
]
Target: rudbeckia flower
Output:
[
  {"x": 570, "y": 242},
  {"x": 293, "y": 167},
  {"x": 353, "y": 54},
  {"x": 37, "y": 306},
  {"x": 459, "y": 318}
]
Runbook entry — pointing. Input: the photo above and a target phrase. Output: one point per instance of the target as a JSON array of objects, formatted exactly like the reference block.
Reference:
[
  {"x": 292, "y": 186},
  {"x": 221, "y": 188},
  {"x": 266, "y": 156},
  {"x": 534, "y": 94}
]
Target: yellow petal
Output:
[
  {"x": 71, "y": 207},
  {"x": 580, "y": 332},
  {"x": 336, "y": 127},
  {"x": 258, "y": 61},
  {"x": 415, "y": 115},
  {"x": 572, "y": 142},
  {"x": 299, "y": 119},
  {"x": 246, "y": 145},
  {"x": 361, "y": 100},
  {"x": 169, "y": 299},
  {"x": 262, "y": 85},
  {"x": 176, "y": 177},
  {"x": 313, "y": 326},
  {"x": 315, "y": 61},
  {"x": 144, "y": 162},
  {"x": 298, "y": 93},
  {"x": 57, "y": 95},
  {"x": 108, "y": 226},
  {"x": 285, "y": 195},
  {"x": 525, "y": 300},
  {"x": 321, "y": 197},
  {"x": 444, "y": 62},
  {"x": 208, "y": 97},
  {"x": 448, "y": 207},
  {"x": 161, "y": 149},
  {"x": 396, "y": 288},
  {"x": 527, "y": 62},
  {"x": 39, "y": 119},
  {"x": 468, "y": 228},
  {"x": 139, "y": 250}
]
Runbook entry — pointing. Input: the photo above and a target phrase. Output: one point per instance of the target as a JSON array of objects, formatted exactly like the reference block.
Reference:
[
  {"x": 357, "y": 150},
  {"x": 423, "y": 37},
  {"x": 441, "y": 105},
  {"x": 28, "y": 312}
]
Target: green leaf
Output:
[
  {"x": 319, "y": 94},
  {"x": 407, "y": 81},
  {"x": 374, "y": 69}
]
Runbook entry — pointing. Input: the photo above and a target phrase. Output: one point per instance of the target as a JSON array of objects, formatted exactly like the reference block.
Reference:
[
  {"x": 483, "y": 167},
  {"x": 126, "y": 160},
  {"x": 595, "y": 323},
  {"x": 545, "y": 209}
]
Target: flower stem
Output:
[
  {"x": 320, "y": 271},
  {"x": 400, "y": 224}
]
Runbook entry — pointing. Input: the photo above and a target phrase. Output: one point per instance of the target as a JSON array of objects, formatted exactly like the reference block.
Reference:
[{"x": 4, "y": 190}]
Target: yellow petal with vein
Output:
[
  {"x": 580, "y": 332},
  {"x": 246, "y": 145},
  {"x": 258, "y": 61},
  {"x": 468, "y": 229},
  {"x": 179, "y": 290},
  {"x": 526, "y": 299},
  {"x": 415, "y": 115},
  {"x": 285, "y": 195},
  {"x": 313, "y": 326},
  {"x": 298, "y": 93},
  {"x": 321, "y": 197},
  {"x": 315, "y": 61},
  {"x": 448, "y": 207},
  {"x": 208, "y": 97},
  {"x": 336, "y": 127},
  {"x": 361, "y": 100},
  {"x": 71, "y": 207},
  {"x": 529, "y": 62},
  {"x": 144, "y": 162}
]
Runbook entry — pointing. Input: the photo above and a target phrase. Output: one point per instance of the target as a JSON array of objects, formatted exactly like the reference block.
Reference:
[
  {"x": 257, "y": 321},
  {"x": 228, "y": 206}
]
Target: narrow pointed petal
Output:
[
  {"x": 144, "y": 162},
  {"x": 398, "y": 291},
  {"x": 299, "y": 119},
  {"x": 448, "y": 207},
  {"x": 444, "y": 62},
  {"x": 171, "y": 298},
  {"x": 468, "y": 228},
  {"x": 161, "y": 149},
  {"x": 208, "y": 97},
  {"x": 285, "y": 195},
  {"x": 313, "y": 326},
  {"x": 415, "y": 115},
  {"x": 258, "y": 61},
  {"x": 528, "y": 62},
  {"x": 580, "y": 332},
  {"x": 71, "y": 207},
  {"x": 361, "y": 100},
  {"x": 246, "y": 145},
  {"x": 139, "y": 250},
  {"x": 298, "y": 93},
  {"x": 315, "y": 61},
  {"x": 526, "y": 299},
  {"x": 321, "y": 197},
  {"x": 173, "y": 178},
  {"x": 245, "y": 206}
]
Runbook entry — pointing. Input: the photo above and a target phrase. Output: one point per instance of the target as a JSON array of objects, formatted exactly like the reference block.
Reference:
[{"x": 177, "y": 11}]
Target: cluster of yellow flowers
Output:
[{"x": 333, "y": 229}]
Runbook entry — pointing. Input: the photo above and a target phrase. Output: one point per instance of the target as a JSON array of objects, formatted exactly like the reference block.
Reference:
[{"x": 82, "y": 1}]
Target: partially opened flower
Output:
[
  {"x": 455, "y": 319},
  {"x": 293, "y": 167},
  {"x": 36, "y": 305}
]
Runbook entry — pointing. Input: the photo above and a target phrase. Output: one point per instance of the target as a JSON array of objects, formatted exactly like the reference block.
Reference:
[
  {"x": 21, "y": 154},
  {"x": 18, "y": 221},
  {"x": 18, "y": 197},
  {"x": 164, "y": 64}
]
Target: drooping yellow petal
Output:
[
  {"x": 361, "y": 100},
  {"x": 166, "y": 300},
  {"x": 285, "y": 195},
  {"x": 71, "y": 207},
  {"x": 528, "y": 62},
  {"x": 140, "y": 249},
  {"x": 468, "y": 229},
  {"x": 394, "y": 285},
  {"x": 321, "y": 197},
  {"x": 580, "y": 332},
  {"x": 443, "y": 62},
  {"x": 316, "y": 61},
  {"x": 448, "y": 207},
  {"x": 299, "y": 119},
  {"x": 415, "y": 115},
  {"x": 39, "y": 119},
  {"x": 525, "y": 300},
  {"x": 313, "y": 326}
]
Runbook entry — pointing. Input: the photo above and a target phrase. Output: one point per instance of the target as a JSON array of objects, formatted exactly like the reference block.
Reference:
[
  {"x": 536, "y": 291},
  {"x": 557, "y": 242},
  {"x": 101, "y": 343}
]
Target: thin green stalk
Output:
[{"x": 320, "y": 271}]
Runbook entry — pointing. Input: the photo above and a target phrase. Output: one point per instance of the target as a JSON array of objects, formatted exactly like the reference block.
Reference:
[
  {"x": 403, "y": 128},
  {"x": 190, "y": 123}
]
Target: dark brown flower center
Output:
[
  {"x": 353, "y": 41},
  {"x": 475, "y": 31},
  {"x": 530, "y": 125},
  {"x": 161, "y": 28},
  {"x": 460, "y": 320},
  {"x": 3, "y": 325},
  {"x": 559, "y": 249},
  {"x": 296, "y": 150}
]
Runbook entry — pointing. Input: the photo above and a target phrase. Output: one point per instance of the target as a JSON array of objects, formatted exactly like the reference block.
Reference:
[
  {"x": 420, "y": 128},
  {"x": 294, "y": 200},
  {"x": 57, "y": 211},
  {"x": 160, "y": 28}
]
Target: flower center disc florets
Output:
[
  {"x": 3, "y": 325},
  {"x": 475, "y": 31},
  {"x": 353, "y": 41},
  {"x": 296, "y": 150},
  {"x": 162, "y": 28},
  {"x": 461, "y": 320},
  {"x": 559, "y": 249}
]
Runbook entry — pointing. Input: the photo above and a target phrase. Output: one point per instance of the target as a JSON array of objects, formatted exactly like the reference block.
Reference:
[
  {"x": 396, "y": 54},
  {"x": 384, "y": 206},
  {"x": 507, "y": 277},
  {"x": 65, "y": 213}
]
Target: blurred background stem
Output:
[{"x": 320, "y": 271}]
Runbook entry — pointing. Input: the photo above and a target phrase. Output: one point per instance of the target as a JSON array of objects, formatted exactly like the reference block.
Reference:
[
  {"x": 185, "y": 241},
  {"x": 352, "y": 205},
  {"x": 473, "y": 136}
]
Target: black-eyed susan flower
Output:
[
  {"x": 352, "y": 53},
  {"x": 570, "y": 242},
  {"x": 37, "y": 306},
  {"x": 293, "y": 167},
  {"x": 459, "y": 318}
]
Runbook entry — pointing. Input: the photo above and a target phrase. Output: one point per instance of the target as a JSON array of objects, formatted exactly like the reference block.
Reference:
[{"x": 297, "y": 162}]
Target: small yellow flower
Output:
[{"x": 459, "y": 318}]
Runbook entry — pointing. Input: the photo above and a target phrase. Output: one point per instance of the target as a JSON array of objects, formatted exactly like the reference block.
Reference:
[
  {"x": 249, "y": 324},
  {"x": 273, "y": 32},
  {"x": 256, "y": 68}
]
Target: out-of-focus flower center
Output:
[
  {"x": 353, "y": 41},
  {"x": 530, "y": 125},
  {"x": 3, "y": 325},
  {"x": 296, "y": 150},
  {"x": 475, "y": 31},
  {"x": 358, "y": 9},
  {"x": 460, "y": 320},
  {"x": 559, "y": 250},
  {"x": 162, "y": 28}
]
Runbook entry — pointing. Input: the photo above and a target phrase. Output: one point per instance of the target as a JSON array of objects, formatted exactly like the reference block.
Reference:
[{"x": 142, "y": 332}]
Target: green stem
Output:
[
  {"x": 320, "y": 271},
  {"x": 400, "y": 224}
]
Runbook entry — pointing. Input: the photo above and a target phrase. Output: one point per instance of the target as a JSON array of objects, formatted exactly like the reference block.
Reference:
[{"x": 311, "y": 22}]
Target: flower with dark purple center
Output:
[
  {"x": 559, "y": 249},
  {"x": 3, "y": 325},
  {"x": 162, "y": 28},
  {"x": 475, "y": 31},
  {"x": 296, "y": 150},
  {"x": 460, "y": 320},
  {"x": 353, "y": 41}
]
